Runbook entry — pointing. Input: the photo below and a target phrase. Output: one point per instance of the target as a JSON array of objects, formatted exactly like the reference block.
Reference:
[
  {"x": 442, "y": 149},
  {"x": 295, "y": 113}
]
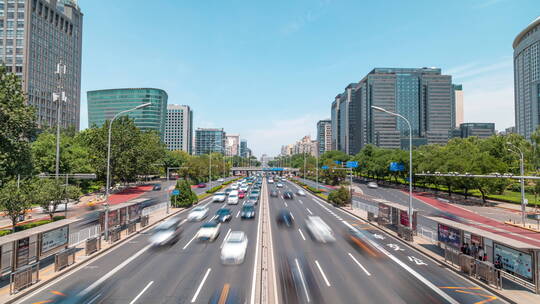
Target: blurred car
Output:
[
  {"x": 234, "y": 186},
  {"x": 209, "y": 231},
  {"x": 248, "y": 211},
  {"x": 223, "y": 215},
  {"x": 219, "y": 197},
  {"x": 319, "y": 230},
  {"x": 166, "y": 233},
  {"x": 227, "y": 295},
  {"x": 233, "y": 198},
  {"x": 201, "y": 185},
  {"x": 255, "y": 192},
  {"x": 298, "y": 282},
  {"x": 301, "y": 192},
  {"x": 220, "y": 180},
  {"x": 228, "y": 190},
  {"x": 244, "y": 188},
  {"x": 372, "y": 185},
  {"x": 273, "y": 193},
  {"x": 288, "y": 195},
  {"x": 284, "y": 218},
  {"x": 156, "y": 188},
  {"x": 254, "y": 198},
  {"x": 250, "y": 202},
  {"x": 362, "y": 242},
  {"x": 234, "y": 248},
  {"x": 198, "y": 214},
  {"x": 279, "y": 185},
  {"x": 270, "y": 181},
  {"x": 241, "y": 194}
]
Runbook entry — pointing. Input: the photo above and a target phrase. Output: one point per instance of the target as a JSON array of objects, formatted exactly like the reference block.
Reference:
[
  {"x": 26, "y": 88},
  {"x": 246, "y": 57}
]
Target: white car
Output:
[
  {"x": 234, "y": 248},
  {"x": 233, "y": 198},
  {"x": 319, "y": 230},
  {"x": 372, "y": 185},
  {"x": 244, "y": 188},
  {"x": 198, "y": 214},
  {"x": 219, "y": 197},
  {"x": 166, "y": 233},
  {"x": 209, "y": 231},
  {"x": 301, "y": 193},
  {"x": 279, "y": 185},
  {"x": 234, "y": 186},
  {"x": 220, "y": 180},
  {"x": 270, "y": 181}
]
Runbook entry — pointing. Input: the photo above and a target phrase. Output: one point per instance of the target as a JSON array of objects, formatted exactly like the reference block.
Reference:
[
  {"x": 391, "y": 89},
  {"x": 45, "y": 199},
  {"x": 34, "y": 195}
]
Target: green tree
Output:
[
  {"x": 17, "y": 127},
  {"x": 15, "y": 199},
  {"x": 340, "y": 197},
  {"x": 186, "y": 198},
  {"x": 50, "y": 193}
]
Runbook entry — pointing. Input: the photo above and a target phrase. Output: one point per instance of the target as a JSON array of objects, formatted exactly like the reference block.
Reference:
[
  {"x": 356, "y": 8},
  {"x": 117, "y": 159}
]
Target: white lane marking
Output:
[
  {"x": 286, "y": 204},
  {"x": 309, "y": 211},
  {"x": 94, "y": 299},
  {"x": 238, "y": 213},
  {"x": 142, "y": 291},
  {"x": 410, "y": 270},
  {"x": 113, "y": 271},
  {"x": 301, "y": 234},
  {"x": 189, "y": 242},
  {"x": 302, "y": 279},
  {"x": 360, "y": 265},
  {"x": 225, "y": 239},
  {"x": 200, "y": 286},
  {"x": 322, "y": 273},
  {"x": 292, "y": 216},
  {"x": 301, "y": 202}
]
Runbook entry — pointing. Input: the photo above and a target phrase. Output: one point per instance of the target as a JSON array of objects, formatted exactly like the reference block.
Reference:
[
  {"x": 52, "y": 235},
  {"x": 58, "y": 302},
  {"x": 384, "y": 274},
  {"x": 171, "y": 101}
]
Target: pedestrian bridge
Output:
[{"x": 275, "y": 170}]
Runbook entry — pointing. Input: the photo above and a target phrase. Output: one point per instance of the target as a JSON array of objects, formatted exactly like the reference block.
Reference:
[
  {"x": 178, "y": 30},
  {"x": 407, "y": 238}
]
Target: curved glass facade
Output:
[{"x": 104, "y": 104}]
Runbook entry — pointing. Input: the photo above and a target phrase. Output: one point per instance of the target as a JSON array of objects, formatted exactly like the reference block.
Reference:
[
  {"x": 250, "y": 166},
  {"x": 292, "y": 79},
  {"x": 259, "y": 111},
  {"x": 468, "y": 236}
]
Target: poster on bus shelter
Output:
[
  {"x": 404, "y": 219},
  {"x": 449, "y": 236},
  {"x": 513, "y": 261}
]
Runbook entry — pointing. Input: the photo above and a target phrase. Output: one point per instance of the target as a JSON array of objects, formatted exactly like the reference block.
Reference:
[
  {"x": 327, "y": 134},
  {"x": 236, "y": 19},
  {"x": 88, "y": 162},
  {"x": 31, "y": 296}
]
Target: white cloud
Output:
[{"x": 269, "y": 139}]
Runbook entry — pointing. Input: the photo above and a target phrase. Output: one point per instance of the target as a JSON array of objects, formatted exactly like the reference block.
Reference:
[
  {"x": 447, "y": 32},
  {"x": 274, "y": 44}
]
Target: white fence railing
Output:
[
  {"x": 366, "y": 207},
  {"x": 153, "y": 208},
  {"x": 82, "y": 235},
  {"x": 427, "y": 233}
]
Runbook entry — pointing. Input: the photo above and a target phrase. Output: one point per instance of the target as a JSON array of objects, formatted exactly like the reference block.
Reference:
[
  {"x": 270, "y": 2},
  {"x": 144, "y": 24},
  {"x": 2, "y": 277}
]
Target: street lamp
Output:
[
  {"x": 521, "y": 180},
  {"x": 210, "y": 167},
  {"x": 107, "y": 185},
  {"x": 410, "y": 158}
]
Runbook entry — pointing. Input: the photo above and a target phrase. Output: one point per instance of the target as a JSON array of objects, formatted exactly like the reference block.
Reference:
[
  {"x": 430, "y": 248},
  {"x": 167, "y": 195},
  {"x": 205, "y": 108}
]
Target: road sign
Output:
[
  {"x": 324, "y": 167},
  {"x": 352, "y": 164},
  {"x": 338, "y": 162},
  {"x": 395, "y": 166},
  {"x": 175, "y": 192},
  {"x": 535, "y": 216}
]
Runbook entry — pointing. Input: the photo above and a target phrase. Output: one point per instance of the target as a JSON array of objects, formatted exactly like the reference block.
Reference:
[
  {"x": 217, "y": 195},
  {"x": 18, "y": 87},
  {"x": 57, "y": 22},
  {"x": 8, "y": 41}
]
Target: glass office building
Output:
[
  {"x": 209, "y": 141},
  {"x": 104, "y": 104}
]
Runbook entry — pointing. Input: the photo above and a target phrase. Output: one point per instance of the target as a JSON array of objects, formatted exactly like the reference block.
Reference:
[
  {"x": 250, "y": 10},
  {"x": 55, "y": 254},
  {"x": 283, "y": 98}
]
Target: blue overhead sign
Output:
[
  {"x": 395, "y": 166},
  {"x": 272, "y": 169},
  {"x": 352, "y": 164},
  {"x": 338, "y": 162},
  {"x": 324, "y": 167},
  {"x": 175, "y": 192}
]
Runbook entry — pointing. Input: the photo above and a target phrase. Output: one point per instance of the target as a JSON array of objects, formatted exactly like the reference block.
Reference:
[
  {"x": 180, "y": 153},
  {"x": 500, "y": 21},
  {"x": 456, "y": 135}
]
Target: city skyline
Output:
[{"x": 297, "y": 55}]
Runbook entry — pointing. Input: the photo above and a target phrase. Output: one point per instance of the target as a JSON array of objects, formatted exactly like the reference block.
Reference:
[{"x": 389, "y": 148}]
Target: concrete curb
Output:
[{"x": 93, "y": 257}]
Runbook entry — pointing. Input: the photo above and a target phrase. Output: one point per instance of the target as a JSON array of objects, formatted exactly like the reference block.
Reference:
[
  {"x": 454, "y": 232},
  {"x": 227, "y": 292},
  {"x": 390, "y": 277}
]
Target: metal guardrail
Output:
[
  {"x": 64, "y": 259},
  {"x": 23, "y": 278},
  {"x": 82, "y": 235},
  {"x": 92, "y": 245},
  {"x": 144, "y": 220},
  {"x": 114, "y": 235},
  {"x": 452, "y": 256},
  {"x": 427, "y": 234},
  {"x": 132, "y": 227}
]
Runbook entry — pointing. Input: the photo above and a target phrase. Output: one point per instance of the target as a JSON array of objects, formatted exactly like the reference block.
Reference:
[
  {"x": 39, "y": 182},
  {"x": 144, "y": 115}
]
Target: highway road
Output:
[{"x": 388, "y": 271}]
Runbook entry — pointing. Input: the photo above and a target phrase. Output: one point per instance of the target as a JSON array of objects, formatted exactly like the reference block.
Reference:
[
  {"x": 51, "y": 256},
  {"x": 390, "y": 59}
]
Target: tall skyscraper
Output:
[
  {"x": 35, "y": 36},
  {"x": 209, "y": 141},
  {"x": 527, "y": 79},
  {"x": 104, "y": 104},
  {"x": 458, "y": 104},
  {"x": 324, "y": 135},
  {"x": 232, "y": 145},
  {"x": 424, "y": 96},
  {"x": 179, "y": 128}
]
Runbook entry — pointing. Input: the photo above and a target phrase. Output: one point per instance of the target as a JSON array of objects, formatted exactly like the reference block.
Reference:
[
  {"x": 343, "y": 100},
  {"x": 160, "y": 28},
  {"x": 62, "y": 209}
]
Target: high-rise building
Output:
[
  {"x": 244, "y": 150},
  {"x": 35, "y": 36},
  {"x": 104, "y": 104},
  {"x": 458, "y": 104},
  {"x": 324, "y": 135},
  {"x": 527, "y": 79},
  {"x": 179, "y": 128},
  {"x": 287, "y": 150},
  {"x": 232, "y": 145},
  {"x": 306, "y": 145},
  {"x": 424, "y": 96},
  {"x": 209, "y": 141},
  {"x": 478, "y": 129}
]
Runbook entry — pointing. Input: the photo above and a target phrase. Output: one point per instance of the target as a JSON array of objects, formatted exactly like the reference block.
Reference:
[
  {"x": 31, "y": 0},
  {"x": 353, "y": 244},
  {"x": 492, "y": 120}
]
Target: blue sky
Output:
[{"x": 269, "y": 70}]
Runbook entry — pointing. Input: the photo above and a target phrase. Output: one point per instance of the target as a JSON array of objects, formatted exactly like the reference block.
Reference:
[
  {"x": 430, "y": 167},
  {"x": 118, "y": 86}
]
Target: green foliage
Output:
[
  {"x": 15, "y": 200},
  {"x": 340, "y": 197},
  {"x": 17, "y": 127},
  {"x": 58, "y": 218},
  {"x": 214, "y": 189},
  {"x": 49, "y": 193},
  {"x": 186, "y": 198},
  {"x": 5, "y": 232},
  {"x": 31, "y": 225}
]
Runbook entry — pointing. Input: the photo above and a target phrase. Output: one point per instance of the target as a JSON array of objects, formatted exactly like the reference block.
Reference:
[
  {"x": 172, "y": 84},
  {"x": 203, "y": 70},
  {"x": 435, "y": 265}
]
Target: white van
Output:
[{"x": 233, "y": 198}]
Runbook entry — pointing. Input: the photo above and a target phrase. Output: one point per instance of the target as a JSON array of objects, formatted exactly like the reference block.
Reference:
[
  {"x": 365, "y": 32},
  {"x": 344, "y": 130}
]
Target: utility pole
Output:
[{"x": 59, "y": 97}]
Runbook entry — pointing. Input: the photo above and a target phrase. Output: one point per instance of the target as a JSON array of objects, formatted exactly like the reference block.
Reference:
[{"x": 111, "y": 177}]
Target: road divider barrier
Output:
[
  {"x": 114, "y": 235},
  {"x": 132, "y": 227},
  {"x": 23, "y": 278},
  {"x": 64, "y": 259},
  {"x": 92, "y": 245},
  {"x": 144, "y": 220}
]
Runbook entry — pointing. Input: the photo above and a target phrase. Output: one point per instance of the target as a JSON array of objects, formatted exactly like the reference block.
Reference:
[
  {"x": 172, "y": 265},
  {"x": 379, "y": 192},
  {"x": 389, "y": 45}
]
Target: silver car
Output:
[
  {"x": 166, "y": 233},
  {"x": 234, "y": 248},
  {"x": 319, "y": 230}
]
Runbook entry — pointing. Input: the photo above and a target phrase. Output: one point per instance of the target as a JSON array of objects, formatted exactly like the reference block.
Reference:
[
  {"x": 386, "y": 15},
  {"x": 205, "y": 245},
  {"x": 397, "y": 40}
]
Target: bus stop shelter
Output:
[
  {"x": 121, "y": 214},
  {"x": 395, "y": 215}
]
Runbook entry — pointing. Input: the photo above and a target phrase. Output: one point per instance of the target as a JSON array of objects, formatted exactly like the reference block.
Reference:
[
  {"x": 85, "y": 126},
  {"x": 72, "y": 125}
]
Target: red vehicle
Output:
[
  {"x": 241, "y": 194},
  {"x": 201, "y": 185}
]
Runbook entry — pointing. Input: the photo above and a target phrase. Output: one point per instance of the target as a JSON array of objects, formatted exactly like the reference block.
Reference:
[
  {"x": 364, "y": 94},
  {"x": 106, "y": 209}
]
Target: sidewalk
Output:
[
  {"x": 511, "y": 291},
  {"x": 47, "y": 273}
]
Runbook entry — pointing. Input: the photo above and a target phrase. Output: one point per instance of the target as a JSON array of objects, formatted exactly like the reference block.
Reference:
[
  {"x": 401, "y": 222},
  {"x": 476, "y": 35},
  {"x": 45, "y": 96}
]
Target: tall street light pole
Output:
[
  {"x": 59, "y": 97},
  {"x": 108, "y": 183},
  {"x": 410, "y": 159},
  {"x": 521, "y": 180}
]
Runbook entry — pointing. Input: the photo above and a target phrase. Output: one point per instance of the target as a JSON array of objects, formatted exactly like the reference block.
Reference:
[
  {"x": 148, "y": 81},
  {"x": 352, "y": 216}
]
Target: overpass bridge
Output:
[{"x": 273, "y": 170}]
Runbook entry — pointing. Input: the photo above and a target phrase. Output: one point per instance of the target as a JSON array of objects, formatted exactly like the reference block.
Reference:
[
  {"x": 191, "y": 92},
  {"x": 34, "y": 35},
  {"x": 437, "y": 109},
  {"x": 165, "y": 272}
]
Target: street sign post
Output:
[
  {"x": 175, "y": 192},
  {"x": 352, "y": 164},
  {"x": 324, "y": 167}
]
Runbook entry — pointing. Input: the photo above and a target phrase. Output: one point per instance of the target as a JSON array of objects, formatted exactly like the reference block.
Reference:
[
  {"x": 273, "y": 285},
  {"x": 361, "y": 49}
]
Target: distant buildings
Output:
[
  {"x": 527, "y": 79},
  {"x": 324, "y": 135},
  {"x": 179, "y": 128},
  {"x": 423, "y": 95},
  {"x": 35, "y": 36},
  {"x": 458, "y": 104},
  {"x": 209, "y": 141},
  {"x": 232, "y": 144},
  {"x": 305, "y": 145},
  {"x": 287, "y": 150},
  {"x": 104, "y": 104},
  {"x": 244, "y": 150},
  {"x": 480, "y": 130}
]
